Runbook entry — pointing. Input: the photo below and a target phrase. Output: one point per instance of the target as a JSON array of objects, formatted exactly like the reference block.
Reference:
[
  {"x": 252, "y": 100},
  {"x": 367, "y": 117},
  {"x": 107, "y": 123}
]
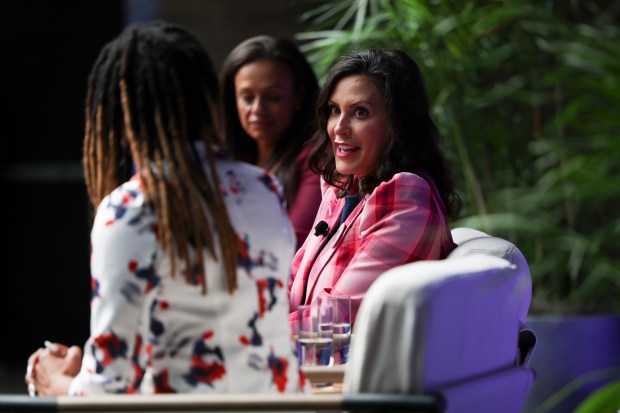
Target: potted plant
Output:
[{"x": 526, "y": 94}]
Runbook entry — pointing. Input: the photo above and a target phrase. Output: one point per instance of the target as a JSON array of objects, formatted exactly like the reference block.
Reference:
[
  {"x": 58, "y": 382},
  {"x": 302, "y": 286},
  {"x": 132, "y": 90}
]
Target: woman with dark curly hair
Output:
[{"x": 388, "y": 192}]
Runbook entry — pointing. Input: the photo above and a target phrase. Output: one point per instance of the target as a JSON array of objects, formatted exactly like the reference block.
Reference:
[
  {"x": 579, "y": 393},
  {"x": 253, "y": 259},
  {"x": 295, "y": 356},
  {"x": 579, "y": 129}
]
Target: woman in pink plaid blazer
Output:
[{"x": 388, "y": 191}]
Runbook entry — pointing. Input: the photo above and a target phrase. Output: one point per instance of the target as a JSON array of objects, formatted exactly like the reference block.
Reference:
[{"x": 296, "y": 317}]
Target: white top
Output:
[{"x": 151, "y": 332}]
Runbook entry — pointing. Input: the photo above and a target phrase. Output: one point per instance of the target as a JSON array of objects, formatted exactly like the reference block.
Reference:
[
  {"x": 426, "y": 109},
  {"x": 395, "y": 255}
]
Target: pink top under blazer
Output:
[{"x": 401, "y": 221}]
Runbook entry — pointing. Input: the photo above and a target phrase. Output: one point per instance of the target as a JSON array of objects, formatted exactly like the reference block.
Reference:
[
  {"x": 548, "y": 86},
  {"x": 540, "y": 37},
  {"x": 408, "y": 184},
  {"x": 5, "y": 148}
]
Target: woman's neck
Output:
[{"x": 265, "y": 150}]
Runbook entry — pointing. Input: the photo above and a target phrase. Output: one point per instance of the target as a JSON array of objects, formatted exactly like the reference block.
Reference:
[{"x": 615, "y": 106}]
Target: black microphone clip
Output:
[{"x": 321, "y": 229}]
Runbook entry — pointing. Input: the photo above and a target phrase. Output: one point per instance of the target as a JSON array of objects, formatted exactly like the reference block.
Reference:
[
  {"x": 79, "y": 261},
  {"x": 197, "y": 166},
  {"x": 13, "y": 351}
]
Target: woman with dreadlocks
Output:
[{"x": 186, "y": 294}]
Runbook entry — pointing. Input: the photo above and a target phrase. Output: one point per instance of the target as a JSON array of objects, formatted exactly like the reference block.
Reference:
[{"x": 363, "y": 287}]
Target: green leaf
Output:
[{"x": 606, "y": 399}]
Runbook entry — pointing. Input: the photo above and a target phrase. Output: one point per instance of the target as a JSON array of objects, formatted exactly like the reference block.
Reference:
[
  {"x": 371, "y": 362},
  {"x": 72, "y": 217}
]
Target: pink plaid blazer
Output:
[{"x": 401, "y": 221}]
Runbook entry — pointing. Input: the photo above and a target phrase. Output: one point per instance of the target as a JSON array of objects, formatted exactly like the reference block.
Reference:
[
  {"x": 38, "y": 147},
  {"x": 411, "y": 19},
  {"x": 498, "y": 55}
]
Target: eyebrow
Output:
[
  {"x": 275, "y": 87},
  {"x": 356, "y": 103}
]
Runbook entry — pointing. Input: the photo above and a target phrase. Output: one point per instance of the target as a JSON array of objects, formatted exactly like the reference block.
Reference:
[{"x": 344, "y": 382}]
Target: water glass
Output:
[
  {"x": 315, "y": 329},
  {"x": 341, "y": 306}
]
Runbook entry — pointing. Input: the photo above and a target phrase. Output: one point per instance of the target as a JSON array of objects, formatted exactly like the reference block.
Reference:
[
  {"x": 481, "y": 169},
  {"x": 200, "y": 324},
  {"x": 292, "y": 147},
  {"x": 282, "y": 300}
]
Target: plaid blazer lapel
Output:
[{"x": 324, "y": 264}]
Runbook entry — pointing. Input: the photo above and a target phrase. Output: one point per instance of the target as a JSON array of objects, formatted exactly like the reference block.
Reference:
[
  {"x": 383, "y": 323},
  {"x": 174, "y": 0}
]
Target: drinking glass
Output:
[
  {"x": 341, "y": 306},
  {"x": 315, "y": 329}
]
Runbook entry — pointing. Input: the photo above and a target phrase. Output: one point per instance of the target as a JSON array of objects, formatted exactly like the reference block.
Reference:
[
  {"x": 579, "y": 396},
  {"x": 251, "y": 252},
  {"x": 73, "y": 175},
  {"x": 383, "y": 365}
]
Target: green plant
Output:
[
  {"x": 605, "y": 399},
  {"x": 526, "y": 94}
]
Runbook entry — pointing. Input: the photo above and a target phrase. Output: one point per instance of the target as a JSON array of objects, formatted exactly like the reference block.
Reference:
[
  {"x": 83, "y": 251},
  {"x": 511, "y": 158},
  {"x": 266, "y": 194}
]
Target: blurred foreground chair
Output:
[{"x": 448, "y": 327}]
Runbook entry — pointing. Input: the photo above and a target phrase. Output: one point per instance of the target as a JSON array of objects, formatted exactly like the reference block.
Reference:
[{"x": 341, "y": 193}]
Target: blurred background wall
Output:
[{"x": 48, "y": 49}]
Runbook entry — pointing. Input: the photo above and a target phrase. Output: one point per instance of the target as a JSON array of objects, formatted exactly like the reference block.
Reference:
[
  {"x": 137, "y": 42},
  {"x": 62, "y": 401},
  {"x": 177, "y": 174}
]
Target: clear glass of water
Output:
[
  {"x": 341, "y": 306},
  {"x": 315, "y": 329}
]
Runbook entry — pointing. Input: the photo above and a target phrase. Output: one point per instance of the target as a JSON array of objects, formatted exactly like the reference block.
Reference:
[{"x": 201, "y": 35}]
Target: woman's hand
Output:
[{"x": 50, "y": 370}]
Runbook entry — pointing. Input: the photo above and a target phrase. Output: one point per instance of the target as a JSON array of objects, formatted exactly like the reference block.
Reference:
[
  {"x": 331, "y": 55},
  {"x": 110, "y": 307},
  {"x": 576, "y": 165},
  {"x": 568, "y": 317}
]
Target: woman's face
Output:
[
  {"x": 266, "y": 100},
  {"x": 357, "y": 125}
]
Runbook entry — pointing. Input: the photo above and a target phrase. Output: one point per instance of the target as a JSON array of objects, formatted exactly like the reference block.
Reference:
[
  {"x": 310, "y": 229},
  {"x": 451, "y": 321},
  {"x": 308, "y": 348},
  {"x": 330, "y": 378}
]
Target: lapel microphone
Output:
[{"x": 321, "y": 229}]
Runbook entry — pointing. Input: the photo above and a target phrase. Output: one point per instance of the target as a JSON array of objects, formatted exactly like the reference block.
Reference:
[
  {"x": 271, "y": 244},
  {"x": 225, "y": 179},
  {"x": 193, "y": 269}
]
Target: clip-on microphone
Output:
[{"x": 321, "y": 229}]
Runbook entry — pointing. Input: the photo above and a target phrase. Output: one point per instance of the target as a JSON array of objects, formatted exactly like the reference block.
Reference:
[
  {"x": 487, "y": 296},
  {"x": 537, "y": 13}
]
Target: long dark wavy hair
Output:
[
  {"x": 243, "y": 147},
  {"x": 152, "y": 92},
  {"x": 413, "y": 137}
]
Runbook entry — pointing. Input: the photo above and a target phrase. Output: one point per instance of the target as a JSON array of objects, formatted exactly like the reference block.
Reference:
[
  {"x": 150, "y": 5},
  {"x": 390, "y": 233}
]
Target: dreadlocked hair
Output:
[{"x": 151, "y": 96}]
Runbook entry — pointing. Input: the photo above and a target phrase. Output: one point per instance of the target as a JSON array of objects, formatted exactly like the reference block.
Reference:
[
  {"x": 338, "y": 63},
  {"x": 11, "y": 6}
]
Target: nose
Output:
[
  {"x": 342, "y": 126},
  {"x": 258, "y": 105}
]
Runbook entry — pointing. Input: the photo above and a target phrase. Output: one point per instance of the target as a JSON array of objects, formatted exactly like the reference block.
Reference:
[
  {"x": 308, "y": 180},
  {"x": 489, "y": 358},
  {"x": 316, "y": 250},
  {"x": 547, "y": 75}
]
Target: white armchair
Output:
[
  {"x": 471, "y": 241},
  {"x": 448, "y": 327}
]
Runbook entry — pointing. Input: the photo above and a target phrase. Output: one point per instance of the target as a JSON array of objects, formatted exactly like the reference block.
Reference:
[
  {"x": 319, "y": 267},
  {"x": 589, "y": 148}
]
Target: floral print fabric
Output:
[{"x": 154, "y": 332}]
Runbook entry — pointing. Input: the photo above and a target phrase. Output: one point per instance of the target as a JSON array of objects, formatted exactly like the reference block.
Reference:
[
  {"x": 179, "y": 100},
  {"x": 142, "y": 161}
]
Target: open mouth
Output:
[
  {"x": 344, "y": 150},
  {"x": 259, "y": 123}
]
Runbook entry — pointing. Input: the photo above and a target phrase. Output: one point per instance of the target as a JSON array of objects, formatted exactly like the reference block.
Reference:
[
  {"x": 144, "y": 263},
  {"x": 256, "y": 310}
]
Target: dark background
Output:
[{"x": 47, "y": 50}]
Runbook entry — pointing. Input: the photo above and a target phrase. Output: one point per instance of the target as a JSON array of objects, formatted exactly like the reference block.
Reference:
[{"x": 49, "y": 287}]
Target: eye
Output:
[
  {"x": 361, "y": 113},
  {"x": 246, "y": 98},
  {"x": 333, "y": 110},
  {"x": 274, "y": 98}
]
